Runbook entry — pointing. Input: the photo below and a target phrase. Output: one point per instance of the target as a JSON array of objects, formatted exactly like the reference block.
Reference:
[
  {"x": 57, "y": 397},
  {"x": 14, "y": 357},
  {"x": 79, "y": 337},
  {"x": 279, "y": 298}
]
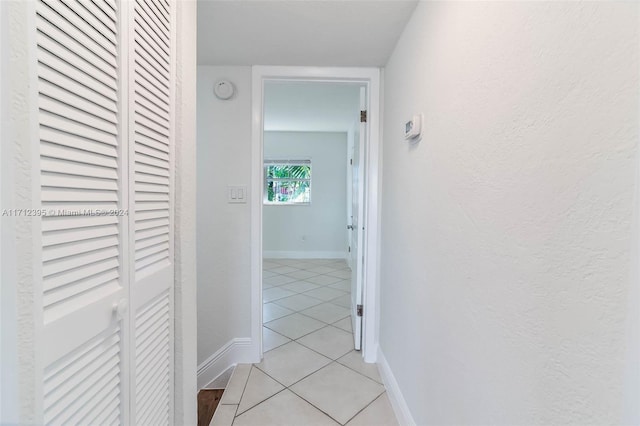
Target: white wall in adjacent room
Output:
[
  {"x": 506, "y": 257},
  {"x": 223, "y": 229},
  {"x": 319, "y": 228}
]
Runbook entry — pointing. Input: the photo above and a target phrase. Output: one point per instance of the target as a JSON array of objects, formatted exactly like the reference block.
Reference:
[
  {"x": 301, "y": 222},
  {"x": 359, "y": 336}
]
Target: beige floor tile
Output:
[
  {"x": 268, "y": 274},
  {"x": 275, "y": 293},
  {"x": 291, "y": 362},
  {"x": 271, "y": 311},
  {"x": 301, "y": 275},
  {"x": 322, "y": 262},
  {"x": 355, "y": 391},
  {"x": 329, "y": 341},
  {"x": 344, "y": 285},
  {"x": 378, "y": 413},
  {"x": 284, "y": 409},
  {"x": 298, "y": 302},
  {"x": 235, "y": 387},
  {"x": 354, "y": 361},
  {"x": 224, "y": 415},
  {"x": 279, "y": 280},
  {"x": 283, "y": 269},
  {"x": 300, "y": 286},
  {"x": 294, "y": 326},
  {"x": 344, "y": 324},
  {"x": 289, "y": 262},
  {"x": 344, "y": 300},
  {"x": 271, "y": 339},
  {"x": 322, "y": 269},
  {"x": 324, "y": 293},
  {"x": 304, "y": 296},
  {"x": 259, "y": 387},
  {"x": 327, "y": 312},
  {"x": 343, "y": 273},
  {"x": 340, "y": 265},
  {"x": 269, "y": 265},
  {"x": 324, "y": 279}
]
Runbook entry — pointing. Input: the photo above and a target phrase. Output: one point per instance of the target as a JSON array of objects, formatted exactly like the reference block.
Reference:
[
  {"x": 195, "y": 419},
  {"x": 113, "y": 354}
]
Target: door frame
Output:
[{"x": 370, "y": 77}]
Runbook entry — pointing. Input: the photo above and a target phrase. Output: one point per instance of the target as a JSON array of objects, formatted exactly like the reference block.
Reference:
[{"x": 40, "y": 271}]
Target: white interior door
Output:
[
  {"x": 350, "y": 143},
  {"x": 358, "y": 222},
  {"x": 106, "y": 78},
  {"x": 151, "y": 163},
  {"x": 84, "y": 275}
]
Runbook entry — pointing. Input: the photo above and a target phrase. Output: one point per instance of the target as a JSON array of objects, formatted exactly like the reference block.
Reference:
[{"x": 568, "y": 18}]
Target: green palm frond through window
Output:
[{"x": 287, "y": 181}]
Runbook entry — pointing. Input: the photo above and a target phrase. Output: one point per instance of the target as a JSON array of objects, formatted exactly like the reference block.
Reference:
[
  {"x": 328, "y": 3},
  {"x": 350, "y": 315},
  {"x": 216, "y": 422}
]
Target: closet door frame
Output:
[{"x": 21, "y": 393}]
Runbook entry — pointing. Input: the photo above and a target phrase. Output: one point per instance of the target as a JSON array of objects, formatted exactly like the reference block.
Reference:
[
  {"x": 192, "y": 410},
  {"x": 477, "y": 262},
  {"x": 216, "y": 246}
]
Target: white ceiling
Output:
[
  {"x": 305, "y": 106},
  {"x": 300, "y": 32}
]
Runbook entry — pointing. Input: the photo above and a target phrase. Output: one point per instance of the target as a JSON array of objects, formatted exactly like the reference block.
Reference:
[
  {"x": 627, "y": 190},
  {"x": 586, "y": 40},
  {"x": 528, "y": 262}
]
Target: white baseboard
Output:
[
  {"x": 267, "y": 254},
  {"x": 222, "y": 380},
  {"x": 236, "y": 351},
  {"x": 400, "y": 407}
]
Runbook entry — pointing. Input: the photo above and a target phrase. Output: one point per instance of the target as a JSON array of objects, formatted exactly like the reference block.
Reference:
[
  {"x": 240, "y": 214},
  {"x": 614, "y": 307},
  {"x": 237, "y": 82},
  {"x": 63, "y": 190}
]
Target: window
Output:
[{"x": 287, "y": 181}]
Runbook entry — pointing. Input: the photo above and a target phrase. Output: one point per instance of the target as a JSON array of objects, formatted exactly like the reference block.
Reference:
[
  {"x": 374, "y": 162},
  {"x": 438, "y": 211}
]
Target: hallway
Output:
[
  {"x": 310, "y": 373},
  {"x": 154, "y": 152}
]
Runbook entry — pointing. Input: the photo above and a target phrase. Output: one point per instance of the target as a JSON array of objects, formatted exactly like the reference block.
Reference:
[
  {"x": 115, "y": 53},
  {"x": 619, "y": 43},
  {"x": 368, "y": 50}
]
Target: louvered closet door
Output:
[
  {"x": 81, "y": 171},
  {"x": 151, "y": 172}
]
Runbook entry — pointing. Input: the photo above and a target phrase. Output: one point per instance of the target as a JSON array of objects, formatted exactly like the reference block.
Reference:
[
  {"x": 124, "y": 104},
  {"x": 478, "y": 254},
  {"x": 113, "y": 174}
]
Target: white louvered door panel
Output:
[
  {"x": 82, "y": 171},
  {"x": 151, "y": 162}
]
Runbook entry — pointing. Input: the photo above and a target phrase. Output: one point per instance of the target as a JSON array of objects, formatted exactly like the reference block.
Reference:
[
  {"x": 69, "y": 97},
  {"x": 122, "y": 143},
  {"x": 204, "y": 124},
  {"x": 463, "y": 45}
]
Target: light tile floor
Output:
[{"x": 310, "y": 374}]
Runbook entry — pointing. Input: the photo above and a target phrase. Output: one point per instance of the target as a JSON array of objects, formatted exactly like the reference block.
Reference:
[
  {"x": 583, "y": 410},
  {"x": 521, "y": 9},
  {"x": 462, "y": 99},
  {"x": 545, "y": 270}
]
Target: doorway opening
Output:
[{"x": 314, "y": 207}]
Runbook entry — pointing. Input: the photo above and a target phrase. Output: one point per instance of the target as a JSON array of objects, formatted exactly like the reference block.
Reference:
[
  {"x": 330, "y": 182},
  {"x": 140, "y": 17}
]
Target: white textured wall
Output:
[
  {"x": 320, "y": 226},
  {"x": 8, "y": 316},
  {"x": 223, "y": 230},
  {"x": 186, "y": 406},
  {"x": 506, "y": 232},
  {"x": 20, "y": 402}
]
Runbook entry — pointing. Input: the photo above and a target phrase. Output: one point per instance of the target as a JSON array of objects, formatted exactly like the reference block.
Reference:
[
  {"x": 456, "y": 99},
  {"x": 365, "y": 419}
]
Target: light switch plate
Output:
[{"x": 237, "y": 193}]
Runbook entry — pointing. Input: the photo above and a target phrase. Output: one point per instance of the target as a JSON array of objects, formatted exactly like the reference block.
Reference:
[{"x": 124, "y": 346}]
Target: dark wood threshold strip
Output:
[{"x": 208, "y": 400}]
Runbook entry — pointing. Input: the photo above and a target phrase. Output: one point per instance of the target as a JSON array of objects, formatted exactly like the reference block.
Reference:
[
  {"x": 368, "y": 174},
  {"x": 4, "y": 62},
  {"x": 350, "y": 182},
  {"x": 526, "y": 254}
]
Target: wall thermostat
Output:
[
  {"x": 223, "y": 89},
  {"x": 413, "y": 127}
]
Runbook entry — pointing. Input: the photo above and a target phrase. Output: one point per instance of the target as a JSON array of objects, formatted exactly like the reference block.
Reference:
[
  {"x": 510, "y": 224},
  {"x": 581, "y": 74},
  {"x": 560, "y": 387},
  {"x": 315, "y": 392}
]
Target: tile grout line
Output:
[
  {"x": 300, "y": 312},
  {"x": 321, "y": 354},
  {"x": 299, "y": 396},
  {"x": 285, "y": 387},
  {"x": 280, "y": 298},
  {"x": 327, "y": 274},
  {"x": 326, "y": 324},
  {"x": 244, "y": 390},
  {"x": 279, "y": 334},
  {"x": 308, "y": 270},
  {"x": 331, "y": 361},
  {"x": 367, "y": 406},
  {"x": 302, "y": 344},
  {"x": 317, "y": 408},
  {"x": 311, "y": 349},
  {"x": 236, "y": 412},
  {"x": 293, "y": 340},
  {"x": 264, "y": 400}
]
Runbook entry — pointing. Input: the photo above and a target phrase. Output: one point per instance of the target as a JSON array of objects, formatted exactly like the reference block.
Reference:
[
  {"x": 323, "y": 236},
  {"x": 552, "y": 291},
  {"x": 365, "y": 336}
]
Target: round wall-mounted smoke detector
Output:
[{"x": 223, "y": 89}]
